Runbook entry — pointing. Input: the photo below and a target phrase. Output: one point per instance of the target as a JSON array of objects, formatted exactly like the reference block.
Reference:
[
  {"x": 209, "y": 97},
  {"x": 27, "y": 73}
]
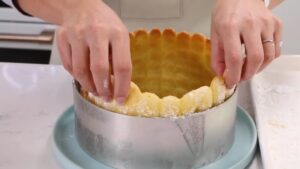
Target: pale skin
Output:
[
  {"x": 91, "y": 35},
  {"x": 243, "y": 21}
]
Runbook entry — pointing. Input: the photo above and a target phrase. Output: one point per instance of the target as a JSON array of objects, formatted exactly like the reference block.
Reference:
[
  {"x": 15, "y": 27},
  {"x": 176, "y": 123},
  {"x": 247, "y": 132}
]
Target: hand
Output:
[
  {"x": 92, "y": 36},
  {"x": 237, "y": 22}
]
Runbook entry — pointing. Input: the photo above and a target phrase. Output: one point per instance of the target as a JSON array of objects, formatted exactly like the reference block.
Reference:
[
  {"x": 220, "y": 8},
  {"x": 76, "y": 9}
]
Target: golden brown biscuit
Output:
[{"x": 171, "y": 76}]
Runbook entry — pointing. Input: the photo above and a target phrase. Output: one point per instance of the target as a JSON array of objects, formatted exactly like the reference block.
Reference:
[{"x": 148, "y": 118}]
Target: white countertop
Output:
[
  {"x": 277, "y": 106},
  {"x": 32, "y": 97}
]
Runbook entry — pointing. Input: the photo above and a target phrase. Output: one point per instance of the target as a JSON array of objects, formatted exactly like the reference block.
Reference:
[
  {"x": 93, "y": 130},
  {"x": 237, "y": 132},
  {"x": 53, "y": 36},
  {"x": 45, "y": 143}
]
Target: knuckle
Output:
[
  {"x": 278, "y": 22},
  {"x": 97, "y": 34},
  {"x": 93, "y": 30},
  {"x": 79, "y": 31},
  {"x": 264, "y": 19},
  {"x": 119, "y": 33},
  {"x": 250, "y": 21},
  {"x": 61, "y": 37},
  {"x": 236, "y": 58},
  {"x": 99, "y": 68},
  {"x": 267, "y": 21},
  {"x": 229, "y": 25},
  {"x": 96, "y": 27},
  {"x": 61, "y": 33},
  {"x": 123, "y": 69}
]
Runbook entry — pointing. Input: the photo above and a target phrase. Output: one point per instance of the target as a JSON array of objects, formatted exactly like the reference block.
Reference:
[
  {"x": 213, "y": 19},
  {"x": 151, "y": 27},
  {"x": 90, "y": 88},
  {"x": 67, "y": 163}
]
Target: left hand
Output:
[{"x": 249, "y": 22}]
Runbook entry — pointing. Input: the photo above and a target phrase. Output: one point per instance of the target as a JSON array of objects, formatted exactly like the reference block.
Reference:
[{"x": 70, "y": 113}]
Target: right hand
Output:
[
  {"x": 90, "y": 36},
  {"x": 247, "y": 22}
]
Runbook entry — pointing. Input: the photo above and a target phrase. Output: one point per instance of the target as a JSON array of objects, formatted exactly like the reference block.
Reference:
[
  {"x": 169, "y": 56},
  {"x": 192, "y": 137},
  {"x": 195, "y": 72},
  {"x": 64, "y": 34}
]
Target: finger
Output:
[
  {"x": 81, "y": 66},
  {"x": 217, "y": 55},
  {"x": 100, "y": 68},
  {"x": 64, "y": 49},
  {"x": 269, "y": 50},
  {"x": 278, "y": 37},
  {"x": 122, "y": 67},
  {"x": 233, "y": 58},
  {"x": 254, "y": 53}
]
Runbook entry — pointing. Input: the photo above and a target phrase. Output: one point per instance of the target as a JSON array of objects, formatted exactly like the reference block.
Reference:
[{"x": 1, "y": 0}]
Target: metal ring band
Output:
[{"x": 268, "y": 41}]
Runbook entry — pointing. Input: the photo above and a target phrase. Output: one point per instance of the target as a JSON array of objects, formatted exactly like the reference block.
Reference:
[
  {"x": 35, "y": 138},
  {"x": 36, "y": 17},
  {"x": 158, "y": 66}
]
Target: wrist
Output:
[
  {"x": 71, "y": 8},
  {"x": 49, "y": 11}
]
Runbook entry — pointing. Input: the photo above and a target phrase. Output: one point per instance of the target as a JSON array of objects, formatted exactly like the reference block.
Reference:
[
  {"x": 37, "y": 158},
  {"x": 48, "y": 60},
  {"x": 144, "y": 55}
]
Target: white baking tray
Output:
[{"x": 276, "y": 98}]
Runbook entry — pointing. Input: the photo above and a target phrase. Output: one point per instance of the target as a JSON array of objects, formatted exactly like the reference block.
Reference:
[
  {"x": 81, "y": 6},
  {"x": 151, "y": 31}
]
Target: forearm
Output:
[{"x": 52, "y": 11}]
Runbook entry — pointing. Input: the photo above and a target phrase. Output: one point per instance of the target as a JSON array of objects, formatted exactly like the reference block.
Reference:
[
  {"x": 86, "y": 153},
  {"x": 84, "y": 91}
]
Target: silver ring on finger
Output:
[{"x": 268, "y": 41}]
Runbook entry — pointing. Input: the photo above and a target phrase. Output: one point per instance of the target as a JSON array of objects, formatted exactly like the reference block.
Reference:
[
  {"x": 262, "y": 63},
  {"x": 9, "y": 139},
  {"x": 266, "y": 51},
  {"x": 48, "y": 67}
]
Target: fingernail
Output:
[
  {"x": 233, "y": 87},
  {"x": 106, "y": 98},
  {"x": 225, "y": 73},
  {"x": 121, "y": 100},
  {"x": 230, "y": 86}
]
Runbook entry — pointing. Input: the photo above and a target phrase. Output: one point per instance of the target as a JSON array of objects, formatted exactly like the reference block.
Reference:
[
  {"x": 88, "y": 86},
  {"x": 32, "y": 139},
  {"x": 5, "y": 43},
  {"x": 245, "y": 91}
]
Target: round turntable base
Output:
[{"x": 70, "y": 156}]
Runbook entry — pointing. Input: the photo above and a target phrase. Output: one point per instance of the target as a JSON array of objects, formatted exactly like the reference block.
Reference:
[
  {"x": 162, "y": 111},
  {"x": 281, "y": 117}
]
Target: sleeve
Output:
[
  {"x": 15, "y": 4},
  {"x": 8, "y": 2}
]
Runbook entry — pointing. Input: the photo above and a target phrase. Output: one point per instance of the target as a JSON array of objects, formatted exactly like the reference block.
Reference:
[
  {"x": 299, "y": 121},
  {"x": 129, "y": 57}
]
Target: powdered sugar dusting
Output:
[{"x": 277, "y": 100}]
